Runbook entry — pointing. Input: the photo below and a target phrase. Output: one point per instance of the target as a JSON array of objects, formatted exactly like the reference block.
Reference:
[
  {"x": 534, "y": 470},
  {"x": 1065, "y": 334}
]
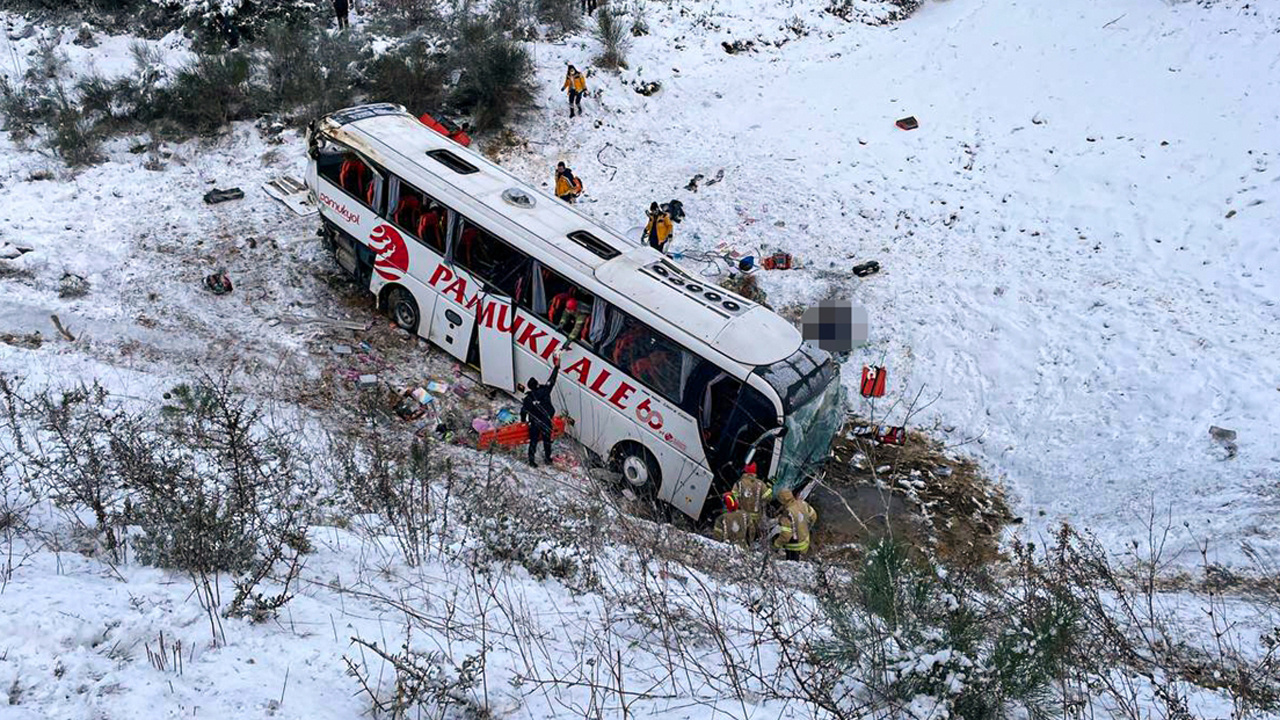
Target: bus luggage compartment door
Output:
[
  {"x": 451, "y": 327},
  {"x": 496, "y": 357}
]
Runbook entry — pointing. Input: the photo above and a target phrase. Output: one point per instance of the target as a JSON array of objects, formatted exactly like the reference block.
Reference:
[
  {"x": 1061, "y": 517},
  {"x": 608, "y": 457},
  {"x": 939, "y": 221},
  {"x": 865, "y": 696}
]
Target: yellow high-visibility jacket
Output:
[
  {"x": 663, "y": 221},
  {"x": 574, "y": 81},
  {"x": 564, "y": 187}
]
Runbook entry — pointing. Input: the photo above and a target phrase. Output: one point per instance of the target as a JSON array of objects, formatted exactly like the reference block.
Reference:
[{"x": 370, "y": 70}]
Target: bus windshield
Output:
[{"x": 813, "y": 403}]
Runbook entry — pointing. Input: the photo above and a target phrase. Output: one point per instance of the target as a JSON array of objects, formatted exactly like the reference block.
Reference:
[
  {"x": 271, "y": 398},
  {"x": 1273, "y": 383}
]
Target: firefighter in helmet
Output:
[{"x": 794, "y": 525}]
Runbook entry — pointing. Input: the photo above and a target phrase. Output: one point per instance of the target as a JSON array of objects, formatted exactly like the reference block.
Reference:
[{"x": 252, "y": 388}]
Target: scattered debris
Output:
[
  {"x": 648, "y": 89},
  {"x": 738, "y": 46},
  {"x": 26, "y": 32},
  {"x": 31, "y": 341},
  {"x": 9, "y": 252},
  {"x": 219, "y": 283},
  {"x": 693, "y": 184},
  {"x": 675, "y": 209},
  {"x": 871, "y": 267},
  {"x": 215, "y": 196},
  {"x": 719, "y": 176},
  {"x": 72, "y": 286},
  {"x": 914, "y": 490},
  {"x": 745, "y": 284},
  {"x": 414, "y": 404},
  {"x": 908, "y": 123},
  {"x": 84, "y": 37},
  {"x": 61, "y": 330},
  {"x": 41, "y": 174},
  {"x": 270, "y": 128},
  {"x": 1226, "y": 438},
  {"x": 293, "y": 193},
  {"x": 778, "y": 261}
]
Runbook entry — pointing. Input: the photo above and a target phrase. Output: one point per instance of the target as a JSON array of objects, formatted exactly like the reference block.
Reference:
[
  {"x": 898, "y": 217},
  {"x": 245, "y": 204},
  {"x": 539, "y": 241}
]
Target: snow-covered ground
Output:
[
  {"x": 1079, "y": 252},
  {"x": 1079, "y": 244}
]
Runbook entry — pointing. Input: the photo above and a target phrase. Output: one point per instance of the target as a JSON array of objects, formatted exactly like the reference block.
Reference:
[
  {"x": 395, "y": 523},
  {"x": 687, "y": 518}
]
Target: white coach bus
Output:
[{"x": 674, "y": 383}]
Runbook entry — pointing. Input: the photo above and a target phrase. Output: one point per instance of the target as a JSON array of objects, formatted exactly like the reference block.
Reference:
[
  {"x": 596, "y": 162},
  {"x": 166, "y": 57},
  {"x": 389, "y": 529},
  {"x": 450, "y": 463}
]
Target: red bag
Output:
[
  {"x": 874, "y": 379},
  {"x": 892, "y": 435},
  {"x": 776, "y": 261}
]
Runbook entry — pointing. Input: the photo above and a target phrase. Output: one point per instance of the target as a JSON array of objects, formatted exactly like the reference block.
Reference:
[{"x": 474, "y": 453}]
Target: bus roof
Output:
[{"x": 733, "y": 326}]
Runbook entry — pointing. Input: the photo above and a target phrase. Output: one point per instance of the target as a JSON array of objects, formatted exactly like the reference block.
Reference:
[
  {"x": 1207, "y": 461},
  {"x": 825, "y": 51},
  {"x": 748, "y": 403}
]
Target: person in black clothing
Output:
[
  {"x": 537, "y": 410},
  {"x": 341, "y": 8}
]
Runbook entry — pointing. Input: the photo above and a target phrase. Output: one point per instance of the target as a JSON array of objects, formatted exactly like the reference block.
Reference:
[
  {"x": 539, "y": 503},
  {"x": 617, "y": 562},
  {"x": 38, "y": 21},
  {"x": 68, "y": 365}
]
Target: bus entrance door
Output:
[{"x": 496, "y": 361}]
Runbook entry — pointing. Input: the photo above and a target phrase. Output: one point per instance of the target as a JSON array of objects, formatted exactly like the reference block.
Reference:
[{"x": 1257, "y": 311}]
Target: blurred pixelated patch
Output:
[{"x": 836, "y": 326}]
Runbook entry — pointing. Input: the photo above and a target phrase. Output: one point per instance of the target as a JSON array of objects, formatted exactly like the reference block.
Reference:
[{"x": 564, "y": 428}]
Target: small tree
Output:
[{"x": 614, "y": 39}]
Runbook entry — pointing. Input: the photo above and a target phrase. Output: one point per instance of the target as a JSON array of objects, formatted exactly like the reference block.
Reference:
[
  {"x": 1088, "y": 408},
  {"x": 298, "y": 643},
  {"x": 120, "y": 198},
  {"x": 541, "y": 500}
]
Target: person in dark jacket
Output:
[
  {"x": 537, "y": 410},
  {"x": 341, "y": 8}
]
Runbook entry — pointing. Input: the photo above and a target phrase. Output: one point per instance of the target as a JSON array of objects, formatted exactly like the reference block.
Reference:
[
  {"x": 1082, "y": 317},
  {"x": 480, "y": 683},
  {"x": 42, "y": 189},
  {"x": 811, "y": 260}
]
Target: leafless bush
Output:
[
  {"x": 376, "y": 473},
  {"x": 213, "y": 485}
]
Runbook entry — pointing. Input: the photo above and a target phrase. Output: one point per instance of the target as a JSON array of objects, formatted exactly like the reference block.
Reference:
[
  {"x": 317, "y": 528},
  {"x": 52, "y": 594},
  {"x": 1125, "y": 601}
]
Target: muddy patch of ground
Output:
[{"x": 914, "y": 491}]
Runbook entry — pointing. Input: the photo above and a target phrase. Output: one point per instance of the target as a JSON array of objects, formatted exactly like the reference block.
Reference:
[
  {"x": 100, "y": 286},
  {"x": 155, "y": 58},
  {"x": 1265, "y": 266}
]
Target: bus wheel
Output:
[
  {"x": 404, "y": 310},
  {"x": 639, "y": 469}
]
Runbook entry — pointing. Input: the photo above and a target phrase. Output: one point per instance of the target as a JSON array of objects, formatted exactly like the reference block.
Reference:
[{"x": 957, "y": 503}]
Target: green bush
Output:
[
  {"x": 912, "y": 629},
  {"x": 72, "y": 135},
  {"x": 412, "y": 74},
  {"x": 613, "y": 38},
  {"x": 496, "y": 80},
  {"x": 564, "y": 16},
  {"x": 211, "y": 92},
  {"x": 305, "y": 69}
]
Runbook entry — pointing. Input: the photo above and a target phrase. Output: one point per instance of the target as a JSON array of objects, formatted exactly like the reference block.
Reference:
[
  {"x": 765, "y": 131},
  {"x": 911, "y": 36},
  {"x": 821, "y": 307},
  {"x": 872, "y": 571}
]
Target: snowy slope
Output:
[
  {"x": 1060, "y": 271},
  {"x": 1084, "y": 307}
]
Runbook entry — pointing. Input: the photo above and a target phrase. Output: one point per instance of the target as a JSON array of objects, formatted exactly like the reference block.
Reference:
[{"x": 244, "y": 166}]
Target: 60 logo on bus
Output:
[{"x": 647, "y": 415}]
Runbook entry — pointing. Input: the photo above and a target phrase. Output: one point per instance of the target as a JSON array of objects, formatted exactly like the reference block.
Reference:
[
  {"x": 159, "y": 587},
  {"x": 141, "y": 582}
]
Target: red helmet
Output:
[
  {"x": 730, "y": 502},
  {"x": 750, "y": 468},
  {"x": 571, "y": 305}
]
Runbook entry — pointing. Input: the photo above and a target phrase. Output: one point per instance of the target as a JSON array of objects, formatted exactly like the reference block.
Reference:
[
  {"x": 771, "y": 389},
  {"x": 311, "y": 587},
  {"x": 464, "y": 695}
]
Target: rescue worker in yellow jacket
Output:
[
  {"x": 576, "y": 84},
  {"x": 734, "y": 524},
  {"x": 568, "y": 185},
  {"x": 657, "y": 233},
  {"x": 794, "y": 524},
  {"x": 751, "y": 493}
]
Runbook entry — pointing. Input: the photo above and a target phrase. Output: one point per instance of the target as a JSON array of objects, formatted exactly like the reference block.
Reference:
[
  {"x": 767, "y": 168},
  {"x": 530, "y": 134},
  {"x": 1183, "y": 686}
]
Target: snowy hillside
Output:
[
  {"x": 1079, "y": 277},
  {"x": 1079, "y": 242}
]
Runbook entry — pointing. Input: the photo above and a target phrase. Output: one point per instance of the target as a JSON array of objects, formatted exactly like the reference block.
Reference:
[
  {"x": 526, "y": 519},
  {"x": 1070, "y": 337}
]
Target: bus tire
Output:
[
  {"x": 639, "y": 469},
  {"x": 403, "y": 309}
]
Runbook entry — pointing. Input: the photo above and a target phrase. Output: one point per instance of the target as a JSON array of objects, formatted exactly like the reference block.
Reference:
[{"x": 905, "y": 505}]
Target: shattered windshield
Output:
[
  {"x": 810, "y": 430},
  {"x": 813, "y": 403},
  {"x": 801, "y": 377}
]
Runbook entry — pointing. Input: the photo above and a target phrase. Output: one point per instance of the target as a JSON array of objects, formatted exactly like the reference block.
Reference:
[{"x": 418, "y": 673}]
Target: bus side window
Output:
[
  {"x": 344, "y": 168},
  {"x": 489, "y": 258},
  {"x": 555, "y": 294},
  {"x": 329, "y": 159},
  {"x": 422, "y": 216},
  {"x": 652, "y": 358}
]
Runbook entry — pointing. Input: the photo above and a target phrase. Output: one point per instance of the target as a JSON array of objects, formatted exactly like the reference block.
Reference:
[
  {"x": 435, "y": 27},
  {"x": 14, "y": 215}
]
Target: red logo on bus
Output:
[{"x": 393, "y": 254}]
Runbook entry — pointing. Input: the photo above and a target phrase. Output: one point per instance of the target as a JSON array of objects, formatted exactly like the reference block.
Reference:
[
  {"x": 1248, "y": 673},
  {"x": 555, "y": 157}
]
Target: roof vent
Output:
[
  {"x": 597, "y": 246},
  {"x": 518, "y": 197},
  {"x": 453, "y": 162}
]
